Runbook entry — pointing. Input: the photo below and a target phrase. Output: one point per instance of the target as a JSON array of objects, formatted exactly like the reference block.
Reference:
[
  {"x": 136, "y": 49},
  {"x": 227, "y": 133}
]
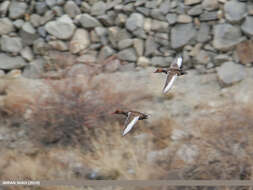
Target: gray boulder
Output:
[
  {"x": 171, "y": 18},
  {"x": 27, "y": 53},
  {"x": 71, "y": 9},
  {"x": 230, "y": 73},
  {"x": 165, "y": 7},
  {"x": 11, "y": 44},
  {"x": 159, "y": 26},
  {"x": 17, "y": 9},
  {"x": 105, "y": 52},
  {"x": 35, "y": 20},
  {"x": 125, "y": 43},
  {"x": 80, "y": 41},
  {"x": 6, "y": 26},
  {"x": 18, "y": 23},
  {"x": 210, "y": 5},
  {"x": 98, "y": 8},
  {"x": 62, "y": 28},
  {"x": 135, "y": 21},
  {"x": 151, "y": 47},
  {"x": 235, "y": 11},
  {"x": 4, "y": 8},
  {"x": 226, "y": 36},
  {"x": 116, "y": 34},
  {"x": 203, "y": 33},
  {"x": 196, "y": 10},
  {"x": 181, "y": 34},
  {"x": 209, "y": 16},
  {"x": 48, "y": 16},
  {"x": 139, "y": 46},
  {"x": 127, "y": 55},
  {"x": 40, "y": 7},
  {"x": 88, "y": 21},
  {"x": 191, "y": 2},
  {"x": 51, "y": 3},
  {"x": 221, "y": 58},
  {"x": 9, "y": 63},
  {"x": 247, "y": 26},
  {"x": 58, "y": 45},
  {"x": 28, "y": 34}
]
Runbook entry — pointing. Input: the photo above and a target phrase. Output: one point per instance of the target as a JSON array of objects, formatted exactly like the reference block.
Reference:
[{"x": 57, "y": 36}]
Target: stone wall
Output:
[{"x": 141, "y": 32}]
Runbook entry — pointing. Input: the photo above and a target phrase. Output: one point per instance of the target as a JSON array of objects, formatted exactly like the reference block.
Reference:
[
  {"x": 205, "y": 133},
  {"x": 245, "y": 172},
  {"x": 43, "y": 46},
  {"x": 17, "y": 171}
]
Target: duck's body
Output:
[
  {"x": 131, "y": 120},
  {"x": 172, "y": 73}
]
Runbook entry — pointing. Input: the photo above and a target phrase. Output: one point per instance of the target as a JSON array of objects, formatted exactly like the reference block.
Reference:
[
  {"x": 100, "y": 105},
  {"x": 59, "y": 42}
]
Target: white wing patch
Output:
[
  {"x": 179, "y": 62},
  {"x": 130, "y": 125},
  {"x": 169, "y": 85}
]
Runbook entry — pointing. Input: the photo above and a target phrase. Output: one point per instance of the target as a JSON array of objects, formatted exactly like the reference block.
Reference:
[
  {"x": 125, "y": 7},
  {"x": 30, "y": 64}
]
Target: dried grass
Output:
[
  {"x": 122, "y": 158},
  {"x": 225, "y": 145}
]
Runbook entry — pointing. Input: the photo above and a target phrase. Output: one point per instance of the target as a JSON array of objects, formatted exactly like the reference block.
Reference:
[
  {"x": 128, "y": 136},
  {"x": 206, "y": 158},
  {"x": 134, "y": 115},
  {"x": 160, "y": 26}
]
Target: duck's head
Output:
[
  {"x": 147, "y": 116},
  {"x": 159, "y": 70},
  {"x": 118, "y": 112}
]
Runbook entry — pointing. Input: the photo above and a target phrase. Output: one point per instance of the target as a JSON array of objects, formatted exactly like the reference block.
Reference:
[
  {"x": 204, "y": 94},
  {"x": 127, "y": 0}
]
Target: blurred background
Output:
[{"x": 65, "y": 66}]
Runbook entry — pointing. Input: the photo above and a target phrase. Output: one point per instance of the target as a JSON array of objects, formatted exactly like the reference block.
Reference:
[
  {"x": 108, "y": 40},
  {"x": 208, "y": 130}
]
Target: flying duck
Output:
[
  {"x": 172, "y": 73},
  {"x": 131, "y": 120}
]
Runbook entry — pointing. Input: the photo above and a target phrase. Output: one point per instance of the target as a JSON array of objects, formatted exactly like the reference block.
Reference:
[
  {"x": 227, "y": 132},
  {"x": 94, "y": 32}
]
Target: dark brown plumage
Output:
[
  {"x": 131, "y": 120},
  {"x": 172, "y": 73}
]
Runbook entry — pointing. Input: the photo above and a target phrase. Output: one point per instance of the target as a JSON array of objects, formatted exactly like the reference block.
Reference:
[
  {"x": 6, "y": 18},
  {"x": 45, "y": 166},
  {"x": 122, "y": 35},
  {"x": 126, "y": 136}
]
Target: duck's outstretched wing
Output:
[
  {"x": 130, "y": 125},
  {"x": 178, "y": 64},
  {"x": 127, "y": 119},
  {"x": 169, "y": 82}
]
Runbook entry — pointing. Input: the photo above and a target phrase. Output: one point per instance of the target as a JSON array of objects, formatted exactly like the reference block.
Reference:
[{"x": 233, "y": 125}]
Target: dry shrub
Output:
[
  {"x": 76, "y": 109},
  {"x": 225, "y": 145},
  {"x": 73, "y": 113}
]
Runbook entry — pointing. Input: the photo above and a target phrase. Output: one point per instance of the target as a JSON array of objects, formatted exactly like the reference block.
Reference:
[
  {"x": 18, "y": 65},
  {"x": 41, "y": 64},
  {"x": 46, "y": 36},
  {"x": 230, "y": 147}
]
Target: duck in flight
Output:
[
  {"x": 131, "y": 119},
  {"x": 173, "y": 72}
]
